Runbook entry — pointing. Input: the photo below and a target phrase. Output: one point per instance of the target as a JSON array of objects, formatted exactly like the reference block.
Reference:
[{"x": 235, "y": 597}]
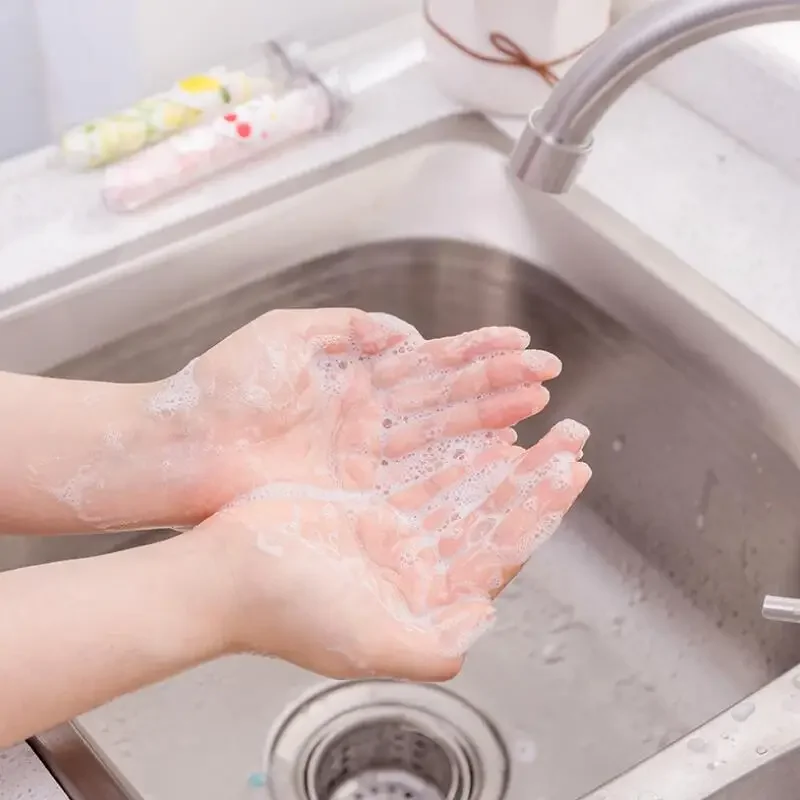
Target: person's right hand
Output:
[
  {"x": 339, "y": 399},
  {"x": 349, "y": 584}
]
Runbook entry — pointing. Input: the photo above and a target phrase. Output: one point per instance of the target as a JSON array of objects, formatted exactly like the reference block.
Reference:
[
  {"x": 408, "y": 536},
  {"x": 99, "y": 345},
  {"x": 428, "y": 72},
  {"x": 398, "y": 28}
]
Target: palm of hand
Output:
[
  {"x": 378, "y": 468},
  {"x": 338, "y": 398},
  {"x": 403, "y": 583}
]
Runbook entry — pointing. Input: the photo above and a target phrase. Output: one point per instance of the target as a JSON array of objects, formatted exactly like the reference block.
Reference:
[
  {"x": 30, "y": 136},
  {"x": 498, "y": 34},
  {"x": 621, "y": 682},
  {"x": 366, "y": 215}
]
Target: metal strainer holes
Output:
[
  {"x": 387, "y": 758},
  {"x": 385, "y": 785},
  {"x": 385, "y": 740}
]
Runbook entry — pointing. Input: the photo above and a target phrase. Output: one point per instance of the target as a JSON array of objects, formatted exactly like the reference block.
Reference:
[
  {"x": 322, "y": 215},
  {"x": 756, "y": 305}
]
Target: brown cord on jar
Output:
[{"x": 511, "y": 54}]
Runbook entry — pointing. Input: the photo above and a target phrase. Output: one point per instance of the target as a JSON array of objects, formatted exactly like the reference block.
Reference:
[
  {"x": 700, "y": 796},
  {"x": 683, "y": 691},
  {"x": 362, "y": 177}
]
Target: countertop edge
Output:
[{"x": 22, "y": 775}]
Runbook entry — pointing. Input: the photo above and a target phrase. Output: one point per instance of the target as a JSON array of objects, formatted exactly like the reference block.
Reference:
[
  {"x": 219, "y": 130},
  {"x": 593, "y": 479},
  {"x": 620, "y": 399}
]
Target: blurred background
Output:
[{"x": 64, "y": 61}]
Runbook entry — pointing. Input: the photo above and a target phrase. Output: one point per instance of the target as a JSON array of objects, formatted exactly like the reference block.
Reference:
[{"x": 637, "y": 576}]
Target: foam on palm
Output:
[
  {"x": 362, "y": 432},
  {"x": 456, "y": 514}
]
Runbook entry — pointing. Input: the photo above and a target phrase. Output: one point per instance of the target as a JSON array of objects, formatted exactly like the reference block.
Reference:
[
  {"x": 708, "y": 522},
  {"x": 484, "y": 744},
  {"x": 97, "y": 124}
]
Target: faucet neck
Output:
[{"x": 559, "y": 135}]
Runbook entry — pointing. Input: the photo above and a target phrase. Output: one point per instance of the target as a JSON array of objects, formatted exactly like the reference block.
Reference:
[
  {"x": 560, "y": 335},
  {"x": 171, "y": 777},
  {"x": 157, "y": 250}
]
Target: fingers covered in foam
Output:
[
  {"x": 523, "y": 512},
  {"x": 394, "y": 475},
  {"x": 480, "y": 529},
  {"x": 495, "y": 412},
  {"x": 340, "y": 330},
  {"x": 448, "y": 353},
  {"x": 487, "y": 376},
  {"x": 438, "y": 495}
]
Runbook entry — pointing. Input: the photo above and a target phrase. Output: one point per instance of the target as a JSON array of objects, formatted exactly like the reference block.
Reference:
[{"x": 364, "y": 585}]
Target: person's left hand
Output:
[
  {"x": 339, "y": 399},
  {"x": 349, "y": 584}
]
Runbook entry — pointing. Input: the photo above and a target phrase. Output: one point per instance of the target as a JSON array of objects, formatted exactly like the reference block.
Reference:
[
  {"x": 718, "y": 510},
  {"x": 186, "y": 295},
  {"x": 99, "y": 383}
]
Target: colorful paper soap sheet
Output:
[
  {"x": 189, "y": 102},
  {"x": 192, "y": 156}
]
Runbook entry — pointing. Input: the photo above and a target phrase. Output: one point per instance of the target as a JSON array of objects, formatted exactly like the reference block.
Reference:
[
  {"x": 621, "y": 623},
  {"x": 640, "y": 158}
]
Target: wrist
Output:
[
  {"x": 198, "y": 588},
  {"x": 224, "y": 574},
  {"x": 250, "y": 597},
  {"x": 155, "y": 463},
  {"x": 82, "y": 632}
]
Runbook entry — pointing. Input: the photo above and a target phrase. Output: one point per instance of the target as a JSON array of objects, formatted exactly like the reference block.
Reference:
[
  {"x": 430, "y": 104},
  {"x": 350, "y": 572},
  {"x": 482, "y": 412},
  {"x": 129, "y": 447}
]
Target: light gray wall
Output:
[
  {"x": 23, "y": 116},
  {"x": 96, "y": 55}
]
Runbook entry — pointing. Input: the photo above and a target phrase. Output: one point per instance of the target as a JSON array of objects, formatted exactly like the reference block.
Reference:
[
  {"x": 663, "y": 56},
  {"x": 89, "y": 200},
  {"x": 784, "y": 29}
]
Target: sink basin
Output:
[{"x": 637, "y": 622}]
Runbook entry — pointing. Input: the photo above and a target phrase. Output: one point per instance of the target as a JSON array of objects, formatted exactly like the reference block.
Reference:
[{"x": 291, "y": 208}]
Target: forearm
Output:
[
  {"x": 79, "y": 456},
  {"x": 77, "y": 634}
]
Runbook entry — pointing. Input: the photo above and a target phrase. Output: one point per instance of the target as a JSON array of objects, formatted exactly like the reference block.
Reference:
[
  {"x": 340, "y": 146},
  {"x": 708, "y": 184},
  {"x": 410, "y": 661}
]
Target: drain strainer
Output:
[
  {"x": 385, "y": 740},
  {"x": 386, "y": 785}
]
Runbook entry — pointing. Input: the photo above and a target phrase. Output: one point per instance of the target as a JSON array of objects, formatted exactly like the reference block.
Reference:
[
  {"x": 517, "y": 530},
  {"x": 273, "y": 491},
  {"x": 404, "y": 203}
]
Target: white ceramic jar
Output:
[{"x": 546, "y": 30}]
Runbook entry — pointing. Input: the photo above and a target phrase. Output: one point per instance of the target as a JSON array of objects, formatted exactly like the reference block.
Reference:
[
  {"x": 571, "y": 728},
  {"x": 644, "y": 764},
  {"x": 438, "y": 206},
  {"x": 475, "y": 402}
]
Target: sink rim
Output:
[{"x": 713, "y": 316}]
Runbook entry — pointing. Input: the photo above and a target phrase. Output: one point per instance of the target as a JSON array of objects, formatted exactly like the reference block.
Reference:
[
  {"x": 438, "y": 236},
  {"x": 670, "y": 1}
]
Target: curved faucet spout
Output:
[{"x": 558, "y": 137}]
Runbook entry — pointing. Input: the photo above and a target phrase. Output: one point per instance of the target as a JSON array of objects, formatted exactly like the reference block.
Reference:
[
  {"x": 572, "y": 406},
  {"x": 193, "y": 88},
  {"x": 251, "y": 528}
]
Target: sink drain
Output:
[
  {"x": 383, "y": 759},
  {"x": 385, "y": 785},
  {"x": 385, "y": 740}
]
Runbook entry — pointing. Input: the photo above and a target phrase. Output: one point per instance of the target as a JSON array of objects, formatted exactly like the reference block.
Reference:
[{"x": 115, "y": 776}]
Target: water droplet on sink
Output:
[
  {"x": 551, "y": 653},
  {"x": 525, "y": 750},
  {"x": 257, "y": 780},
  {"x": 712, "y": 765},
  {"x": 697, "y": 745},
  {"x": 796, "y": 681},
  {"x": 761, "y": 750},
  {"x": 700, "y": 522},
  {"x": 618, "y": 445},
  {"x": 743, "y": 711},
  {"x": 649, "y": 796}
]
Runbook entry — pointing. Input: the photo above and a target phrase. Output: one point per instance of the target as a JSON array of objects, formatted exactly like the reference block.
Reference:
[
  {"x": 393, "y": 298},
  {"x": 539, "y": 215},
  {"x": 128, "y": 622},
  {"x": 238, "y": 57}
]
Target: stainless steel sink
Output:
[{"x": 638, "y": 622}]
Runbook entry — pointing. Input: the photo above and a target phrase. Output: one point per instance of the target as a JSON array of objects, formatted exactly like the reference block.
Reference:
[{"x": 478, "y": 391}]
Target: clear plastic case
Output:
[
  {"x": 264, "y": 70},
  {"x": 250, "y": 130}
]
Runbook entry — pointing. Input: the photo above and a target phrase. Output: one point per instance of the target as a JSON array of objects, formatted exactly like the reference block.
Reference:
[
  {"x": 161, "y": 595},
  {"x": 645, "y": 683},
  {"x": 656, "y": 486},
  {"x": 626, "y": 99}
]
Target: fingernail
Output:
[
  {"x": 542, "y": 361},
  {"x": 541, "y": 397},
  {"x": 525, "y": 338},
  {"x": 511, "y": 436},
  {"x": 572, "y": 430}
]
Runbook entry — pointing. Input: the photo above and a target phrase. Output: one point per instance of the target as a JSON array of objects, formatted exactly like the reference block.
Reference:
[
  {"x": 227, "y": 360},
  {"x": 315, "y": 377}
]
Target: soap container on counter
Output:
[
  {"x": 503, "y": 56},
  {"x": 266, "y": 69},
  {"x": 248, "y": 131}
]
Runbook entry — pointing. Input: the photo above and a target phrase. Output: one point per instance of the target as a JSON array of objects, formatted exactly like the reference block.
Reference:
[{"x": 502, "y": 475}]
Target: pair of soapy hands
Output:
[{"x": 366, "y": 483}]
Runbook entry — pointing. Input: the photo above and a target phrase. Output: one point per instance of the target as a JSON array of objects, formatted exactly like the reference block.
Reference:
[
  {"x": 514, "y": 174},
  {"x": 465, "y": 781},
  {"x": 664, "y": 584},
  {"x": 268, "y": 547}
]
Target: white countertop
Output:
[
  {"x": 727, "y": 212},
  {"x": 23, "y": 777}
]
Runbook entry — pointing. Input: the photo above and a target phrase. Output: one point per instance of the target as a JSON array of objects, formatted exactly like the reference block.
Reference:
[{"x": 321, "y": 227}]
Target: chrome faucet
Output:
[
  {"x": 548, "y": 156},
  {"x": 558, "y": 137}
]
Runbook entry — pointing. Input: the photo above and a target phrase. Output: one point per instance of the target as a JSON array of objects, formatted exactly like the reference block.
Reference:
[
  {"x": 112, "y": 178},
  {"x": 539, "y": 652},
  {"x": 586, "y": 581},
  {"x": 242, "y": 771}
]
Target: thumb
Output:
[{"x": 436, "y": 653}]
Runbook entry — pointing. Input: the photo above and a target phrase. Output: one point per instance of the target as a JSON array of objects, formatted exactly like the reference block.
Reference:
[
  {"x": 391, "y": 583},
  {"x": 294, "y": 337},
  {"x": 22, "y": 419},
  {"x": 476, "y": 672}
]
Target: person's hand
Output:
[
  {"x": 339, "y": 399},
  {"x": 349, "y": 583}
]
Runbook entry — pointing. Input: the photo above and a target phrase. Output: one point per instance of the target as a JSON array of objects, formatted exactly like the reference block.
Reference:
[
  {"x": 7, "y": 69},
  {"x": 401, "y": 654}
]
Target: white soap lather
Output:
[{"x": 501, "y": 56}]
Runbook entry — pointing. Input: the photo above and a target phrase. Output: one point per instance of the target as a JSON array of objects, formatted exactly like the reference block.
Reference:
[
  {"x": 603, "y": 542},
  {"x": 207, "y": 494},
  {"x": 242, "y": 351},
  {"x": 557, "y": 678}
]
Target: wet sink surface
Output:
[
  {"x": 640, "y": 620},
  {"x": 636, "y": 623}
]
